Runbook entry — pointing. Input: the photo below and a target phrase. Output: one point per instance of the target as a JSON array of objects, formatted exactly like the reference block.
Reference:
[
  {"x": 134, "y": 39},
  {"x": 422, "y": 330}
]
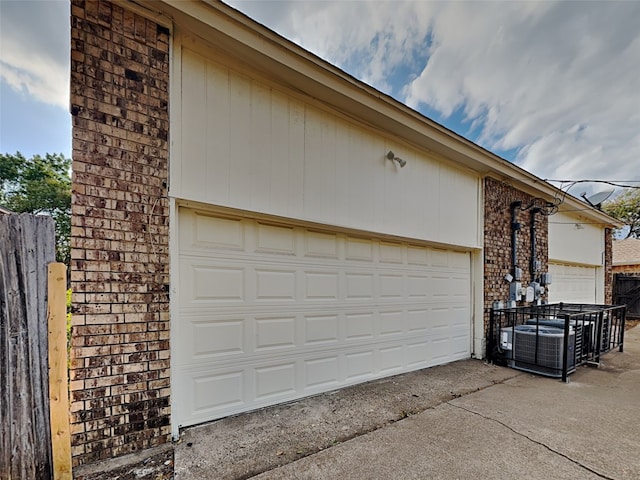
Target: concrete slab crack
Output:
[
  {"x": 543, "y": 445},
  {"x": 247, "y": 445}
]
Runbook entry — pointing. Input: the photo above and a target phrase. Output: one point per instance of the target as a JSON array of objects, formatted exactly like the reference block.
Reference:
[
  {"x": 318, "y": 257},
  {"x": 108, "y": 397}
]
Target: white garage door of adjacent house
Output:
[
  {"x": 572, "y": 283},
  {"x": 271, "y": 312}
]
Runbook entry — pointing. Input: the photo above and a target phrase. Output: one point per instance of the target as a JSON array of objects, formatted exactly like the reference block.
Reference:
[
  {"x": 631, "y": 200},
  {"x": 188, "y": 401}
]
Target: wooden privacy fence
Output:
[
  {"x": 27, "y": 278},
  {"x": 626, "y": 291}
]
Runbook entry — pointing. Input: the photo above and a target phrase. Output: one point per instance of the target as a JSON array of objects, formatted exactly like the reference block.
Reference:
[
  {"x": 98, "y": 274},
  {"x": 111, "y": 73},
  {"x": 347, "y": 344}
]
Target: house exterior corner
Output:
[{"x": 251, "y": 225}]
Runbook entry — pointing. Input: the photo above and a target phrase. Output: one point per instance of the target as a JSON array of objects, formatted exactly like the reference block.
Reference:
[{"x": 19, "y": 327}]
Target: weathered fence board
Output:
[
  {"x": 58, "y": 377},
  {"x": 27, "y": 246},
  {"x": 626, "y": 291}
]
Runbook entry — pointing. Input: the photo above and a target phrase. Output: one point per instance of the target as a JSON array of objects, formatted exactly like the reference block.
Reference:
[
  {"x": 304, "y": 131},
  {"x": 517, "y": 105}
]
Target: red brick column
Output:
[
  {"x": 608, "y": 266},
  {"x": 498, "y": 197},
  {"x": 119, "y": 274}
]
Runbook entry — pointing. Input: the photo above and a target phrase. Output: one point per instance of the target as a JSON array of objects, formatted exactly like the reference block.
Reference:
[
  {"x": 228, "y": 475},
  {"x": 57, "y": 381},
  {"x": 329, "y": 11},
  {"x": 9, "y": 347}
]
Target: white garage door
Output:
[
  {"x": 270, "y": 313},
  {"x": 572, "y": 283}
]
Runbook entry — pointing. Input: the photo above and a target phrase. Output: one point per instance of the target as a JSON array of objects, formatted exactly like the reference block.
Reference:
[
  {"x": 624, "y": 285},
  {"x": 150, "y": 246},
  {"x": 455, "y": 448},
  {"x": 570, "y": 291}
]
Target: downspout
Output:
[
  {"x": 515, "y": 226},
  {"x": 534, "y": 211}
]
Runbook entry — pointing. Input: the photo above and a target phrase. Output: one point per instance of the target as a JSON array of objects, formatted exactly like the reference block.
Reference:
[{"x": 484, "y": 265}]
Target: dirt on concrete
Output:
[
  {"x": 153, "y": 464},
  {"x": 631, "y": 323},
  {"x": 246, "y": 445}
]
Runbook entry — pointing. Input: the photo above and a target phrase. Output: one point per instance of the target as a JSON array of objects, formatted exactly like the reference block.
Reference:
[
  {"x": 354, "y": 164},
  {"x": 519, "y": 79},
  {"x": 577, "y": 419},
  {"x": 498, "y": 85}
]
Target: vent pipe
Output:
[
  {"x": 534, "y": 211},
  {"x": 515, "y": 226}
]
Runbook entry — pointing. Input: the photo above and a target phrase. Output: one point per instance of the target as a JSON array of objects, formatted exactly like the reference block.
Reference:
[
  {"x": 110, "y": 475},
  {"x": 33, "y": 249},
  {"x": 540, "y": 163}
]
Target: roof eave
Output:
[{"x": 300, "y": 70}]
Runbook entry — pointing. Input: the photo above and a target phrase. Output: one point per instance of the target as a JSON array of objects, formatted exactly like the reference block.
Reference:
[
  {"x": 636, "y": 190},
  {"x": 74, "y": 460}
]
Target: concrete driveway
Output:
[{"x": 463, "y": 420}]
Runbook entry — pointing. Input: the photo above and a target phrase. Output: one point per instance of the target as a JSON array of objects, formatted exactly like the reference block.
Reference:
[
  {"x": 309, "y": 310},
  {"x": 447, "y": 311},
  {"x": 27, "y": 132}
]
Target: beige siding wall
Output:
[
  {"x": 574, "y": 240},
  {"x": 578, "y": 244},
  {"x": 245, "y": 144}
]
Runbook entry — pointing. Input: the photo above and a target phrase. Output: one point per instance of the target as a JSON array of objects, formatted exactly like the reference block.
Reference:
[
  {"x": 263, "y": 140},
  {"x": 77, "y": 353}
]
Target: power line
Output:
[
  {"x": 579, "y": 222},
  {"x": 595, "y": 181},
  {"x": 615, "y": 183}
]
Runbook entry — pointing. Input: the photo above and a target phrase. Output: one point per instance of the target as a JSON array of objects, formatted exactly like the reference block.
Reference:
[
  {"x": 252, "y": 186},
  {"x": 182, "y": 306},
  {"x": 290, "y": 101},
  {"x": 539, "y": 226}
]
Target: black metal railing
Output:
[{"x": 554, "y": 339}]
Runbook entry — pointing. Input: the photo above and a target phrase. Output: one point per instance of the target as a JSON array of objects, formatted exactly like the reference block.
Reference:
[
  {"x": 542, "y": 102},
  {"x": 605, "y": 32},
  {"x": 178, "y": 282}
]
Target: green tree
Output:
[
  {"x": 40, "y": 185},
  {"x": 626, "y": 208}
]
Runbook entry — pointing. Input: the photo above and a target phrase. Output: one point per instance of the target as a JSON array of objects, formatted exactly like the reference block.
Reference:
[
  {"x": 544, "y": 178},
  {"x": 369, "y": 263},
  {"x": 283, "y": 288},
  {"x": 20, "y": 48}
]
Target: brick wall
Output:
[
  {"x": 498, "y": 197},
  {"x": 119, "y": 274},
  {"x": 608, "y": 266},
  {"x": 626, "y": 269}
]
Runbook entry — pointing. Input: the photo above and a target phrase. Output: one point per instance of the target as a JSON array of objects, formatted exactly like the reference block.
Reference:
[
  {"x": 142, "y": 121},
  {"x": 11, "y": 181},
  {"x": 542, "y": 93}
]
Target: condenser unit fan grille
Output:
[{"x": 542, "y": 349}]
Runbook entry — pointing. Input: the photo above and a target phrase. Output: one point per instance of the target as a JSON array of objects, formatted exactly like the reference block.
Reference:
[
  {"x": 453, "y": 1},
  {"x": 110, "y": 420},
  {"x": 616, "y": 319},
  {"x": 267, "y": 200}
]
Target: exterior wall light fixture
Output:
[{"x": 391, "y": 156}]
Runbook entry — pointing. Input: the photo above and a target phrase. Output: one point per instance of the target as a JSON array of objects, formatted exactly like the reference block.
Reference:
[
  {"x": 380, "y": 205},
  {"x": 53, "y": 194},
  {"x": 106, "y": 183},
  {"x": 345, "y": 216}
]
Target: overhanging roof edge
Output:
[{"x": 353, "y": 97}]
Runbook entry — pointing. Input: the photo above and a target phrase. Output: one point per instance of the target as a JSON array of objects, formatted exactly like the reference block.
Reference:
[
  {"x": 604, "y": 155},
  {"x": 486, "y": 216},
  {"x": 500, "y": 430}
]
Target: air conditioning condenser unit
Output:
[{"x": 540, "y": 349}]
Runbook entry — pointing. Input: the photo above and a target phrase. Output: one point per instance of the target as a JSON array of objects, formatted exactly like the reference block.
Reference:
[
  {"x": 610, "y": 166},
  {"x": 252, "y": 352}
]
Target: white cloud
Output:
[
  {"x": 558, "y": 81},
  {"x": 367, "y": 39},
  {"x": 34, "y": 49}
]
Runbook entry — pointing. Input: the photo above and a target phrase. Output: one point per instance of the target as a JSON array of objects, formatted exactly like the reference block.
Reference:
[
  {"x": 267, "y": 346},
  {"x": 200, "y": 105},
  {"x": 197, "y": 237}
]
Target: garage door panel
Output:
[
  {"x": 275, "y": 381},
  {"x": 457, "y": 261},
  {"x": 207, "y": 335},
  {"x": 220, "y": 280},
  {"x": 459, "y": 317},
  {"x": 321, "y": 329},
  {"x": 321, "y": 373},
  {"x": 418, "y": 354},
  {"x": 216, "y": 338},
  {"x": 359, "y": 325},
  {"x": 207, "y": 232},
  {"x": 275, "y": 239},
  {"x": 439, "y": 318},
  {"x": 217, "y": 284},
  {"x": 417, "y": 256},
  {"x": 391, "y": 252},
  {"x": 320, "y": 245},
  {"x": 439, "y": 348},
  {"x": 417, "y": 320},
  {"x": 275, "y": 285},
  {"x": 391, "y": 286},
  {"x": 279, "y": 349},
  {"x": 255, "y": 385},
  {"x": 275, "y": 333},
  {"x": 215, "y": 392},
  {"x": 418, "y": 287},
  {"x": 359, "y": 366},
  {"x": 359, "y": 286},
  {"x": 391, "y": 360},
  {"x": 269, "y": 313},
  {"x": 439, "y": 258},
  {"x": 572, "y": 283},
  {"x": 459, "y": 346},
  {"x": 390, "y": 323},
  {"x": 322, "y": 286},
  {"x": 359, "y": 249}
]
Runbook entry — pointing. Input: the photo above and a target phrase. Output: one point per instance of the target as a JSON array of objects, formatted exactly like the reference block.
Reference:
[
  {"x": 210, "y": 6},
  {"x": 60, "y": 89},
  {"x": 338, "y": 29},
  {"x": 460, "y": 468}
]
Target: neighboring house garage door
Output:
[
  {"x": 572, "y": 283},
  {"x": 272, "y": 312}
]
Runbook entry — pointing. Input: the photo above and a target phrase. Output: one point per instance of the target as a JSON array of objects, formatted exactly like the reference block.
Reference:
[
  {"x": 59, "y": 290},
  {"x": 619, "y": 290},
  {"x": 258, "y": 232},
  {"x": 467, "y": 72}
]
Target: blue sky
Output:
[
  {"x": 31, "y": 126},
  {"x": 34, "y": 77},
  {"x": 553, "y": 86}
]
